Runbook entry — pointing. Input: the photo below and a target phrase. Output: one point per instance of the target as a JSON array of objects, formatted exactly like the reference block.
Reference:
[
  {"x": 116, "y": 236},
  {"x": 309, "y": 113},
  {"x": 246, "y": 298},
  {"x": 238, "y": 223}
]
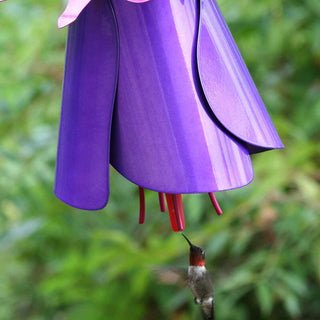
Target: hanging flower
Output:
[{"x": 160, "y": 91}]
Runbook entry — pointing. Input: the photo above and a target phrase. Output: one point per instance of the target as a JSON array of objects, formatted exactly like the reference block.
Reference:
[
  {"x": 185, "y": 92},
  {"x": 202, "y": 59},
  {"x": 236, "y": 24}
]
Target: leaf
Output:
[
  {"x": 265, "y": 298},
  {"x": 293, "y": 281},
  {"x": 292, "y": 305}
]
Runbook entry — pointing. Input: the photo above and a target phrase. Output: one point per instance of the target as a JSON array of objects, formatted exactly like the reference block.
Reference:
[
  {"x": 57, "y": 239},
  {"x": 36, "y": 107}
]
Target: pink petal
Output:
[
  {"x": 71, "y": 12},
  {"x": 138, "y": 1}
]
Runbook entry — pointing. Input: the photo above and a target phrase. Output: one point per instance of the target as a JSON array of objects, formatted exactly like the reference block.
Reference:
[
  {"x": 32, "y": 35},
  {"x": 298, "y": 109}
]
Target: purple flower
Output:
[{"x": 160, "y": 91}]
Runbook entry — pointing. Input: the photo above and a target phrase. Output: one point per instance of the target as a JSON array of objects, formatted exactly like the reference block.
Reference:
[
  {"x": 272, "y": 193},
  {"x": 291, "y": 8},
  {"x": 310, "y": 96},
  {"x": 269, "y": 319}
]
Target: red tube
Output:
[
  {"x": 215, "y": 203},
  {"x": 142, "y": 210},
  {"x": 162, "y": 202},
  {"x": 175, "y": 208}
]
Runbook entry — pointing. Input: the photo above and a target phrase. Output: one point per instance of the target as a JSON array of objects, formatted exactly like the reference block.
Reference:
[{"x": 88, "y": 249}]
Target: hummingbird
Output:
[
  {"x": 196, "y": 277},
  {"x": 199, "y": 280}
]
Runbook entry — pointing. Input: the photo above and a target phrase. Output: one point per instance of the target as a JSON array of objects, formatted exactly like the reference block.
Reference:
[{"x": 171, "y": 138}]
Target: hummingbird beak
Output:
[{"x": 190, "y": 243}]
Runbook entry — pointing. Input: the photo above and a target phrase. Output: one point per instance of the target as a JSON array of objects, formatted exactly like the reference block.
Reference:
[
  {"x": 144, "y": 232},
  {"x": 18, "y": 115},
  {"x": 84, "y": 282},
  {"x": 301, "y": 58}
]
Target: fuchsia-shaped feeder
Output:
[{"x": 160, "y": 91}]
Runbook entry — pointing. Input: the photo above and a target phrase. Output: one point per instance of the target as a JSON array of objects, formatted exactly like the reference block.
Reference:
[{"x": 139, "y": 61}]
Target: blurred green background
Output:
[{"x": 60, "y": 263}]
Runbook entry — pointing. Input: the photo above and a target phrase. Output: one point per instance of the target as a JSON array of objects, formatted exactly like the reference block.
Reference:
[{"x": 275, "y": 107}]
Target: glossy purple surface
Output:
[
  {"x": 228, "y": 86},
  {"x": 162, "y": 137},
  {"x": 82, "y": 173},
  {"x": 186, "y": 114}
]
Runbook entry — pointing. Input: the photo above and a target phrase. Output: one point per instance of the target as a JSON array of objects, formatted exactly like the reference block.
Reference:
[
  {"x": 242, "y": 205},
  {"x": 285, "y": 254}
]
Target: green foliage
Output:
[{"x": 264, "y": 252}]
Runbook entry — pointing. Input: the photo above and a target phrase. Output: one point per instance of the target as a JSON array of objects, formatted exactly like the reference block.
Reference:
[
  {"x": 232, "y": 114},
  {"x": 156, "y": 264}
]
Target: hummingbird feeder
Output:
[{"x": 159, "y": 90}]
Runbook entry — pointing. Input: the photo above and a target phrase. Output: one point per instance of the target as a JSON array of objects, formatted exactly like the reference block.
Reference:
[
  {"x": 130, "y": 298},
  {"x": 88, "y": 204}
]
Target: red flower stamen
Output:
[
  {"x": 142, "y": 210},
  {"x": 162, "y": 202},
  {"x": 171, "y": 211},
  {"x": 178, "y": 207},
  {"x": 175, "y": 208},
  {"x": 215, "y": 203}
]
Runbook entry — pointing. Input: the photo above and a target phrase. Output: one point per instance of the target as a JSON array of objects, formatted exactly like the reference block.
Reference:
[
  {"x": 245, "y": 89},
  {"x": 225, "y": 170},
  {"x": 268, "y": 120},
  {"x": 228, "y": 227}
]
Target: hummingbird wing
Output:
[
  {"x": 179, "y": 276},
  {"x": 171, "y": 275}
]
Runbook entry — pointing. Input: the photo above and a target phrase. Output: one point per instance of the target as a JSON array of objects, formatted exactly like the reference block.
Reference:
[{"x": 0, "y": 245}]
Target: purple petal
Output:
[
  {"x": 162, "y": 136},
  {"x": 228, "y": 86},
  {"x": 82, "y": 174}
]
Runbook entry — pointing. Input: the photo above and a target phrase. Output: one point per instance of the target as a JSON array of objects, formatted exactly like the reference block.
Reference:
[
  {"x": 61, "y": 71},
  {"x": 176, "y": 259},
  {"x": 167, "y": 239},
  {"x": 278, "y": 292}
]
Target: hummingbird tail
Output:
[{"x": 208, "y": 312}]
